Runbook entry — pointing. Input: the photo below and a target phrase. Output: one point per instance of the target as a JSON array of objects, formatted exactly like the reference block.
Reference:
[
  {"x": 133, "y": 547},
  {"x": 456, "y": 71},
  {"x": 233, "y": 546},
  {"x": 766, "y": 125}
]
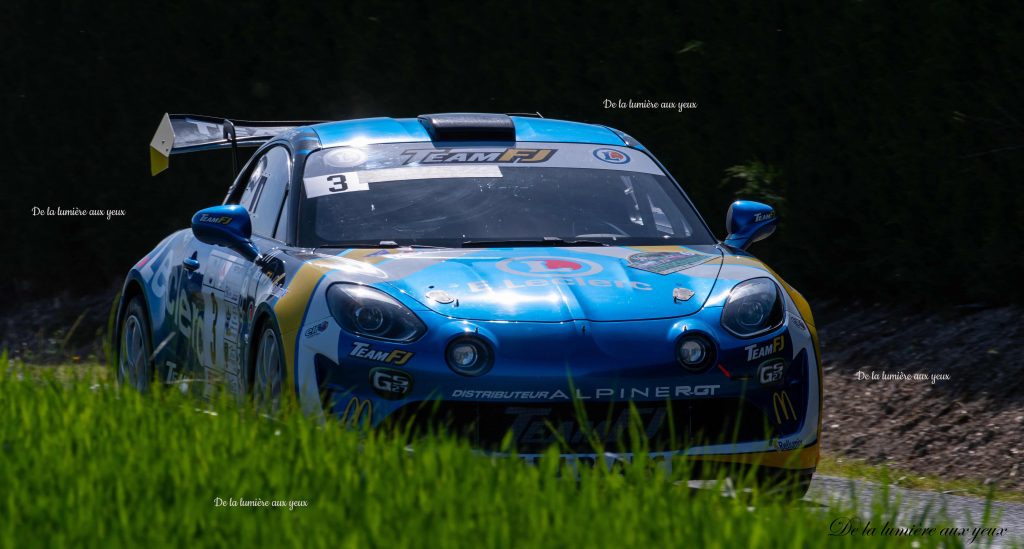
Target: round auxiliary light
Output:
[
  {"x": 695, "y": 352},
  {"x": 469, "y": 356}
]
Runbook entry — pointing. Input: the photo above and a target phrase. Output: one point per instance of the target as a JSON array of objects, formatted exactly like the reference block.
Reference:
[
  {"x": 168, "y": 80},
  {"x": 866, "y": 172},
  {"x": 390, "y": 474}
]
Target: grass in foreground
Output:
[{"x": 83, "y": 464}]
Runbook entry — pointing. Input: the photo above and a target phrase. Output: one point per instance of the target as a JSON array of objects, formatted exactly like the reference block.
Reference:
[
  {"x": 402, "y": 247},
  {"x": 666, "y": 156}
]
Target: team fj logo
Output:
[
  {"x": 549, "y": 266},
  {"x": 476, "y": 156},
  {"x": 611, "y": 156},
  {"x": 396, "y": 357},
  {"x": 766, "y": 349},
  {"x": 215, "y": 219}
]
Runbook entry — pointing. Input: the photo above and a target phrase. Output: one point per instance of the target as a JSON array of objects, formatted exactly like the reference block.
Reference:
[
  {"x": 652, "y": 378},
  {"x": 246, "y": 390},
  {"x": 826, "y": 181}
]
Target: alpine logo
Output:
[{"x": 549, "y": 266}]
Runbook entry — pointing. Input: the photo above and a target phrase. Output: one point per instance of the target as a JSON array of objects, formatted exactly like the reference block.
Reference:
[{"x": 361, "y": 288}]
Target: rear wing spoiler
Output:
[{"x": 187, "y": 133}]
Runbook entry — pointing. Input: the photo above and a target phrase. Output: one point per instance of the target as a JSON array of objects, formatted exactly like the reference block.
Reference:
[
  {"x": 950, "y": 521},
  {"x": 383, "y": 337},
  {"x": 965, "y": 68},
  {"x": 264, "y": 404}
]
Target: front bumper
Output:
[{"x": 571, "y": 384}]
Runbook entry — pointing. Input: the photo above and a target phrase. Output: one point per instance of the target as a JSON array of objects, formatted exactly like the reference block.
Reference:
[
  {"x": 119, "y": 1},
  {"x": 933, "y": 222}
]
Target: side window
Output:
[{"x": 264, "y": 192}]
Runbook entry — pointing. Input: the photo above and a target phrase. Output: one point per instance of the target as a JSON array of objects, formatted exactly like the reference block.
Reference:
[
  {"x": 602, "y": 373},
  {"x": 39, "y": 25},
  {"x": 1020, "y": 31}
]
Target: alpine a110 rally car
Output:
[{"x": 516, "y": 276}]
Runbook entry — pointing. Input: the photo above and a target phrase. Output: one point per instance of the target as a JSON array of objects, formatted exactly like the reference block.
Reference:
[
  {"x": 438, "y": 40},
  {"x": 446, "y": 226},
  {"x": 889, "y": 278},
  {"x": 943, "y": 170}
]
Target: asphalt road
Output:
[{"x": 943, "y": 510}]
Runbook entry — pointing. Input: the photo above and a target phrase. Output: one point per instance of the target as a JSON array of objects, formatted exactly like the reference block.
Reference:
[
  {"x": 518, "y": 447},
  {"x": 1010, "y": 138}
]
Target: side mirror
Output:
[
  {"x": 748, "y": 222},
  {"x": 227, "y": 226}
]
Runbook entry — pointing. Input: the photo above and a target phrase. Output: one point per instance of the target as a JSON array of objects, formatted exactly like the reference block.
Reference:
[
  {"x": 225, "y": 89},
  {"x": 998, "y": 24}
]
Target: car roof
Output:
[{"x": 367, "y": 131}]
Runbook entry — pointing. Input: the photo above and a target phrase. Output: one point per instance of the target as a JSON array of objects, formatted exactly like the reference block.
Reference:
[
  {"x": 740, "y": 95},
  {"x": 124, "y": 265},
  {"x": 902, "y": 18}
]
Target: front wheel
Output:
[
  {"x": 268, "y": 371},
  {"x": 134, "y": 362}
]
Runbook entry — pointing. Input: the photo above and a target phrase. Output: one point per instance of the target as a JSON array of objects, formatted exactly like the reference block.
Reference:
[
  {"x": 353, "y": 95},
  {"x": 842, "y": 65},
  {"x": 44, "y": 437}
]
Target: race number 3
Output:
[{"x": 335, "y": 183}]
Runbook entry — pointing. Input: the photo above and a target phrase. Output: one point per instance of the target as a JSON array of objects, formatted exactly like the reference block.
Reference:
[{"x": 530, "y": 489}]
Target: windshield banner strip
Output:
[
  {"x": 522, "y": 155},
  {"x": 360, "y": 181}
]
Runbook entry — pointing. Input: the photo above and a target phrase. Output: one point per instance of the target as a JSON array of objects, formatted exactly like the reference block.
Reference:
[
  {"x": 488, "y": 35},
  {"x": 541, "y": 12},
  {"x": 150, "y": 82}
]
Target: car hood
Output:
[{"x": 553, "y": 284}]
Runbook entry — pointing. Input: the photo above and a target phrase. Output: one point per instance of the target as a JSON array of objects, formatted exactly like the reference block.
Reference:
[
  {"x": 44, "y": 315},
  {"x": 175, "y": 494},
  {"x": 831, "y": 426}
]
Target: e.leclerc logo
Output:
[
  {"x": 611, "y": 156},
  {"x": 547, "y": 266}
]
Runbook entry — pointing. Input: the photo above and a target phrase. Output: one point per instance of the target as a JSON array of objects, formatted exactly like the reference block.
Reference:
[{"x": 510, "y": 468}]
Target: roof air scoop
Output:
[{"x": 468, "y": 126}]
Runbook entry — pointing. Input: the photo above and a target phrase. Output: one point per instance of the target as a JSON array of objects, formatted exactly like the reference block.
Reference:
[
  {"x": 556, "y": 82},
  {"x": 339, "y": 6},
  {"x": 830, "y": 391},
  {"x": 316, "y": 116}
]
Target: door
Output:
[{"x": 215, "y": 284}]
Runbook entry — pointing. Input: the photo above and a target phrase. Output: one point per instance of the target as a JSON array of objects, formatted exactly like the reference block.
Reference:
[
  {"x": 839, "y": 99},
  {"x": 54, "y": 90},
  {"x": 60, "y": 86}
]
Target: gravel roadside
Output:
[{"x": 968, "y": 423}]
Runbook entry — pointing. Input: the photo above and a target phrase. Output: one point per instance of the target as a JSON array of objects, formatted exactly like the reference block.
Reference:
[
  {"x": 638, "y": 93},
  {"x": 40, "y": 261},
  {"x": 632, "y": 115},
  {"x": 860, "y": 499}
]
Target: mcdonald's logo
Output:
[
  {"x": 356, "y": 411},
  {"x": 781, "y": 400}
]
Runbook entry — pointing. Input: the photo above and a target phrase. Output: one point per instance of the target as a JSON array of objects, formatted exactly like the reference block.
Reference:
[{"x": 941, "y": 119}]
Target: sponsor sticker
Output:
[
  {"x": 788, "y": 444},
  {"x": 764, "y": 350},
  {"x": 390, "y": 384},
  {"x": 664, "y": 263},
  {"x": 521, "y": 155},
  {"x": 617, "y": 393},
  {"x": 783, "y": 407},
  {"x": 771, "y": 371},
  {"x": 510, "y": 155},
  {"x": 215, "y": 219},
  {"x": 611, "y": 156},
  {"x": 356, "y": 412},
  {"x": 548, "y": 266},
  {"x": 481, "y": 286},
  {"x": 316, "y": 329},
  {"x": 365, "y": 351}
]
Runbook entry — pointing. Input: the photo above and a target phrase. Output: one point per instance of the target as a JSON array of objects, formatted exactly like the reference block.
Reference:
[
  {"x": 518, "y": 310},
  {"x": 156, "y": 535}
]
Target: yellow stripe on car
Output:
[{"x": 289, "y": 311}]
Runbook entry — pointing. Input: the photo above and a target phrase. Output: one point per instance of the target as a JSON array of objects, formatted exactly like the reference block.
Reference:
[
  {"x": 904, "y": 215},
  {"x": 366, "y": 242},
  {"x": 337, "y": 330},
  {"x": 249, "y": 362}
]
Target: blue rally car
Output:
[{"x": 504, "y": 275}]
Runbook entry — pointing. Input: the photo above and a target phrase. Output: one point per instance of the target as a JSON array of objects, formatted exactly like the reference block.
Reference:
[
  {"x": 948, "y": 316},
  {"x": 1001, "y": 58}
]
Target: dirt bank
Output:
[{"x": 969, "y": 425}]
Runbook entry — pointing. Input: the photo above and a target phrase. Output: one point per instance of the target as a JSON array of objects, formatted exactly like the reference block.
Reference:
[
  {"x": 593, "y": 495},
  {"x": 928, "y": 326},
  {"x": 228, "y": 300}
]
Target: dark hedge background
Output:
[{"x": 889, "y": 135}]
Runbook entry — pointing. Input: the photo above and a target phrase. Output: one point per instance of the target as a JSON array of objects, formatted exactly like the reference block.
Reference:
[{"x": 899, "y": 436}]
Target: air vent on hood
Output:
[{"x": 468, "y": 126}]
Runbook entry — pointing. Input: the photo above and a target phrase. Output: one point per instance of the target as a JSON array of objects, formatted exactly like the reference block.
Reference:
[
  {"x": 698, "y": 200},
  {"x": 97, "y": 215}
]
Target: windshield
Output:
[{"x": 556, "y": 193}]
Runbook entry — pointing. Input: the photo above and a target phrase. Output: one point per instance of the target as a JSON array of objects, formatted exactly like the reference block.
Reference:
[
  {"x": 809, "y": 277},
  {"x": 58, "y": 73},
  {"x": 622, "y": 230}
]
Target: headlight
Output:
[
  {"x": 754, "y": 307},
  {"x": 695, "y": 352},
  {"x": 372, "y": 313}
]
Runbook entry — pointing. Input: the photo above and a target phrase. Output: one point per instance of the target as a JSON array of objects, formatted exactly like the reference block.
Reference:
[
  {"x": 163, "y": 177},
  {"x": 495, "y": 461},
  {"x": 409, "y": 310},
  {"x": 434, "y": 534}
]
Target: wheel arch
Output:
[
  {"x": 132, "y": 289},
  {"x": 264, "y": 314}
]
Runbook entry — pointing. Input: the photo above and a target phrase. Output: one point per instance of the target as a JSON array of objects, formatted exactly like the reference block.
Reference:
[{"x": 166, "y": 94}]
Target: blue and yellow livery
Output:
[{"x": 500, "y": 274}]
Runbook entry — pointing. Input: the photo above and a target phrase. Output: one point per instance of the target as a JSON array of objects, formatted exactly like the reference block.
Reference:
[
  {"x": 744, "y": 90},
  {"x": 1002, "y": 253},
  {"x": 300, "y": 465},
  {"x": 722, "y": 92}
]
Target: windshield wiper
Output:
[
  {"x": 546, "y": 241},
  {"x": 382, "y": 244}
]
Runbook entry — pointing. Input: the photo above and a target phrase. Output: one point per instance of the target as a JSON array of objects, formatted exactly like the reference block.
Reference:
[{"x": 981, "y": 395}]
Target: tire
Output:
[
  {"x": 268, "y": 370},
  {"x": 135, "y": 348}
]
